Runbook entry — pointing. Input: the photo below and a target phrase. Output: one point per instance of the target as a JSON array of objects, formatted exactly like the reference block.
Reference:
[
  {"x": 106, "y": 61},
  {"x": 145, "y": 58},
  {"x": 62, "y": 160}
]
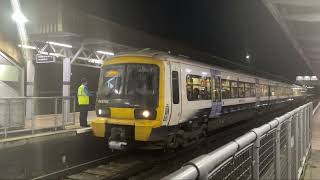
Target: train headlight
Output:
[
  {"x": 103, "y": 112},
  {"x": 145, "y": 114}
]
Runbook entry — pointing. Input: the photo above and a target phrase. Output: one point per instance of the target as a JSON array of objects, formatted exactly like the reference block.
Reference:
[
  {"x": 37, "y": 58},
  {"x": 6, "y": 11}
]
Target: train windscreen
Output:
[{"x": 129, "y": 85}]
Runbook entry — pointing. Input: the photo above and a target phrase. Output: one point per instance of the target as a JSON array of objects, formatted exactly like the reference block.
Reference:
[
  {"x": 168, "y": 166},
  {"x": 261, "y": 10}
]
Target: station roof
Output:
[{"x": 300, "y": 21}]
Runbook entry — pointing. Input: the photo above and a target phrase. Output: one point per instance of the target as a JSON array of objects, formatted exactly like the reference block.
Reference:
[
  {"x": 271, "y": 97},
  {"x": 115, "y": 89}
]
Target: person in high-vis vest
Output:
[{"x": 83, "y": 102}]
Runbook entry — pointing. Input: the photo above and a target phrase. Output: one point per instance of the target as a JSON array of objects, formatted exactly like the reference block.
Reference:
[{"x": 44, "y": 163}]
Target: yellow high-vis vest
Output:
[{"x": 83, "y": 99}]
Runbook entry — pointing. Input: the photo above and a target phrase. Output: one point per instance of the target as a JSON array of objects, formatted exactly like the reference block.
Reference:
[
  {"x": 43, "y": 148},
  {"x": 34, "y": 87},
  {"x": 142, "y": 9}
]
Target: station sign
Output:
[{"x": 43, "y": 58}]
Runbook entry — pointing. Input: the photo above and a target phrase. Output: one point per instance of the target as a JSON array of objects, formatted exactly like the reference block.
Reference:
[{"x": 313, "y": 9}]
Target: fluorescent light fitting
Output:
[
  {"x": 27, "y": 46},
  {"x": 43, "y": 52},
  {"x": 56, "y": 54},
  {"x": 19, "y": 18},
  {"x": 106, "y": 53},
  {"x": 59, "y": 44}
]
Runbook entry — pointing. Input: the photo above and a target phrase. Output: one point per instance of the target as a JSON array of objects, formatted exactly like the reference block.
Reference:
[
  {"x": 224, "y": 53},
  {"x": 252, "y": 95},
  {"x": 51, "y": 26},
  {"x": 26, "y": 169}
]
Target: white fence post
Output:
[
  {"x": 289, "y": 147},
  {"x": 256, "y": 162},
  {"x": 277, "y": 154}
]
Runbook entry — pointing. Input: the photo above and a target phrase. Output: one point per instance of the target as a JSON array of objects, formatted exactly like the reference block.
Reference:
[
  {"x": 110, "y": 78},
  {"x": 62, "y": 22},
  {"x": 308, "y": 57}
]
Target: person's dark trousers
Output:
[{"x": 83, "y": 115}]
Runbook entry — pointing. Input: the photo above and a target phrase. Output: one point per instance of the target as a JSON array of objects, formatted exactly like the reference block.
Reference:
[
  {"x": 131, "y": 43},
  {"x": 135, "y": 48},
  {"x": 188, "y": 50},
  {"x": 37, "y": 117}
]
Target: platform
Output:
[
  {"x": 47, "y": 127},
  {"x": 312, "y": 170}
]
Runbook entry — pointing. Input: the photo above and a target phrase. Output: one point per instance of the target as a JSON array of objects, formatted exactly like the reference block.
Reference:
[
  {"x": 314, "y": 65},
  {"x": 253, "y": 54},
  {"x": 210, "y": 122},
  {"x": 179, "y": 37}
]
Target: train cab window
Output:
[
  {"x": 225, "y": 89},
  {"x": 234, "y": 89},
  {"x": 198, "y": 88},
  {"x": 241, "y": 89},
  {"x": 175, "y": 87}
]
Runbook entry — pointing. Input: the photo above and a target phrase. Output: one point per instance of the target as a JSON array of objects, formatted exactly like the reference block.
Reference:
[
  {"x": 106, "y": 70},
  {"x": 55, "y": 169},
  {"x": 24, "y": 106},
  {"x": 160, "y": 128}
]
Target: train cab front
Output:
[{"x": 128, "y": 106}]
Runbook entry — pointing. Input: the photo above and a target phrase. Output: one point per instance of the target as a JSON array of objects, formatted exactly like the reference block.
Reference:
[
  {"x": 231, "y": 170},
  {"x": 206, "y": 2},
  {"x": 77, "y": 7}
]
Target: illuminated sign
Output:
[{"x": 42, "y": 58}]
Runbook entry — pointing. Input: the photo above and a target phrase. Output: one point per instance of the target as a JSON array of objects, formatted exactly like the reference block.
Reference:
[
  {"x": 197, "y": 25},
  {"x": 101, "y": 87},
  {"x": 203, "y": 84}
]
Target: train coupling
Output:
[{"x": 118, "y": 145}]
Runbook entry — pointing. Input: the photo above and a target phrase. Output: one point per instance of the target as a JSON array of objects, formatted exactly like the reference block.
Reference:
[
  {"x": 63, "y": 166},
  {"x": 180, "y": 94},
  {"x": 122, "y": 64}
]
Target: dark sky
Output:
[{"x": 225, "y": 28}]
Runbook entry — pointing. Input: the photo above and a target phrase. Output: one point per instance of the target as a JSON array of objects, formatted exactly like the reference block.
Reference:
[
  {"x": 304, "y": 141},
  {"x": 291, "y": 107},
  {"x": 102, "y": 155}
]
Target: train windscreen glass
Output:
[{"x": 129, "y": 85}]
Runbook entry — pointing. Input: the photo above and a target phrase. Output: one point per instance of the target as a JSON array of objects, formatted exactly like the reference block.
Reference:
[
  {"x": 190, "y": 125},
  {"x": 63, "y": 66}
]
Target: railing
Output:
[
  {"x": 276, "y": 150},
  {"x": 30, "y": 115}
]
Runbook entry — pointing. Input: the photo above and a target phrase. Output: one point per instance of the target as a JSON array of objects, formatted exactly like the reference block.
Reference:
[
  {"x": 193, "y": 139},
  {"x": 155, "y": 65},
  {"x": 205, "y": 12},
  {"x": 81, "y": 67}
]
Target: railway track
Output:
[{"x": 136, "y": 165}]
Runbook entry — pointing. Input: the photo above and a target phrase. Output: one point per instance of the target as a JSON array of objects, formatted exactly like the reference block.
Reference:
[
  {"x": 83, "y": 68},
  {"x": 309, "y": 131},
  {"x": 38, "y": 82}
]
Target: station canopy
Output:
[{"x": 300, "y": 21}]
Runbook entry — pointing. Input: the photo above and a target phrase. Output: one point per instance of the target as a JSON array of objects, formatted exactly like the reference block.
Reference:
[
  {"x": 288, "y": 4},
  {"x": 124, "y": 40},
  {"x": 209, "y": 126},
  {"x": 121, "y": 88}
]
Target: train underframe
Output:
[{"x": 121, "y": 137}]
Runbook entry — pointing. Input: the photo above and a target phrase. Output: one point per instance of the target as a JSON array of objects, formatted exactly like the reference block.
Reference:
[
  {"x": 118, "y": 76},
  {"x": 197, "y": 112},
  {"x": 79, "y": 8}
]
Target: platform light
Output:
[
  {"x": 204, "y": 73},
  {"x": 188, "y": 70},
  {"x": 27, "y": 46},
  {"x": 248, "y": 56},
  {"x": 59, "y": 44},
  {"x": 43, "y": 52},
  {"x": 106, "y": 53},
  {"x": 19, "y": 17},
  {"x": 56, "y": 54}
]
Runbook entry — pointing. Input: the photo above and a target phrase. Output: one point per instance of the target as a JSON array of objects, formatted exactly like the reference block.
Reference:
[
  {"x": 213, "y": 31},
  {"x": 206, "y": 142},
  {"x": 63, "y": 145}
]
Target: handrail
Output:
[{"x": 296, "y": 121}]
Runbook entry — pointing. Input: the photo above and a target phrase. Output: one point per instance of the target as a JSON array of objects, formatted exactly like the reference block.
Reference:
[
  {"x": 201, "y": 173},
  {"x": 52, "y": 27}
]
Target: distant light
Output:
[
  {"x": 314, "y": 78},
  {"x": 19, "y": 17},
  {"x": 204, "y": 73},
  {"x": 247, "y": 56},
  {"x": 56, "y": 54},
  {"x": 310, "y": 87},
  {"x": 188, "y": 70},
  {"x": 306, "y": 78},
  {"x": 96, "y": 61},
  {"x": 106, "y": 53},
  {"x": 43, "y": 52},
  {"x": 27, "y": 46},
  {"x": 59, "y": 44},
  {"x": 299, "y": 78}
]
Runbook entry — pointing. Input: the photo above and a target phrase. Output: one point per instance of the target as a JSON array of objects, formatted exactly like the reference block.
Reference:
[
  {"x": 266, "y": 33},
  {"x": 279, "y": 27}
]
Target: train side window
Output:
[
  {"x": 234, "y": 89},
  {"x": 241, "y": 90},
  {"x": 175, "y": 87},
  {"x": 216, "y": 89},
  {"x": 225, "y": 90},
  {"x": 252, "y": 90},
  {"x": 198, "y": 88}
]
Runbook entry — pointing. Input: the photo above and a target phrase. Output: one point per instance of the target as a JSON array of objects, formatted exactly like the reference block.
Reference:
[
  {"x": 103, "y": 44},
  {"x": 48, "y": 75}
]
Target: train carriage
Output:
[{"x": 161, "y": 100}]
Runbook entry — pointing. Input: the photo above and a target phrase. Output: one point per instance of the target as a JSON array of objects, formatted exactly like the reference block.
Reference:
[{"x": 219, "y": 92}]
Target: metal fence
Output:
[
  {"x": 30, "y": 115},
  {"x": 276, "y": 150}
]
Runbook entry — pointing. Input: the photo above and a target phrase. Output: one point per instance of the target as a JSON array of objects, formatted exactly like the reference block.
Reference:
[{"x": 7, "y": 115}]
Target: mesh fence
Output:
[
  {"x": 276, "y": 150},
  {"x": 237, "y": 167}
]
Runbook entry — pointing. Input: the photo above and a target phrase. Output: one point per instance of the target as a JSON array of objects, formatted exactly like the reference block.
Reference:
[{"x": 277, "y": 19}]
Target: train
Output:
[{"x": 160, "y": 100}]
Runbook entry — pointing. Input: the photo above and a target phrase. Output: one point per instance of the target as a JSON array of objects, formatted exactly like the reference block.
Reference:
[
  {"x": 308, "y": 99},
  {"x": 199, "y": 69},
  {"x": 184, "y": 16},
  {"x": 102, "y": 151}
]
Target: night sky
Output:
[{"x": 225, "y": 28}]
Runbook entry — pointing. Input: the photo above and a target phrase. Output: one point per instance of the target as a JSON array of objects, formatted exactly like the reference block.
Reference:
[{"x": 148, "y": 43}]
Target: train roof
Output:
[{"x": 203, "y": 58}]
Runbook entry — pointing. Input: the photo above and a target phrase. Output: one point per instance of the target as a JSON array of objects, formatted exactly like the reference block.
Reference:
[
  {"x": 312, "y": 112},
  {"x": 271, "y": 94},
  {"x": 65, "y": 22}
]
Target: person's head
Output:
[{"x": 84, "y": 81}]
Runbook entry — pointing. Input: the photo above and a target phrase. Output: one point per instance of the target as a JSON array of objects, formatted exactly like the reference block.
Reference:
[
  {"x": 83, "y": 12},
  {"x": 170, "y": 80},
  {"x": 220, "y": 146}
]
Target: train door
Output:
[
  {"x": 216, "y": 98},
  {"x": 175, "y": 93}
]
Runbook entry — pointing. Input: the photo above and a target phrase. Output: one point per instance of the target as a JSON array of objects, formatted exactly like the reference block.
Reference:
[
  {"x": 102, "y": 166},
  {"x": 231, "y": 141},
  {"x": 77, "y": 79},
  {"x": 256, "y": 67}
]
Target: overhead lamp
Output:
[
  {"x": 97, "y": 61},
  {"x": 19, "y": 17},
  {"x": 106, "y": 53},
  {"x": 27, "y": 46},
  {"x": 59, "y": 44},
  {"x": 56, "y": 54}
]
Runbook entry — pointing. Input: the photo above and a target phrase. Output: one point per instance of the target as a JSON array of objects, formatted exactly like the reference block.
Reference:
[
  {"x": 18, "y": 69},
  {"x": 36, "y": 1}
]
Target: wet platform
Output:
[
  {"x": 312, "y": 170},
  {"x": 46, "y": 128}
]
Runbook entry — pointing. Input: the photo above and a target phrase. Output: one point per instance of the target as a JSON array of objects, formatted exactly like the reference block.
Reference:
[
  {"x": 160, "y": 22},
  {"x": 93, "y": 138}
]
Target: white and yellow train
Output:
[{"x": 157, "y": 99}]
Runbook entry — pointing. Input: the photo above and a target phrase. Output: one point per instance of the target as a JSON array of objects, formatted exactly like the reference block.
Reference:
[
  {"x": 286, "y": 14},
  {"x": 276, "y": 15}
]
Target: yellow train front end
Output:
[{"x": 130, "y": 100}]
